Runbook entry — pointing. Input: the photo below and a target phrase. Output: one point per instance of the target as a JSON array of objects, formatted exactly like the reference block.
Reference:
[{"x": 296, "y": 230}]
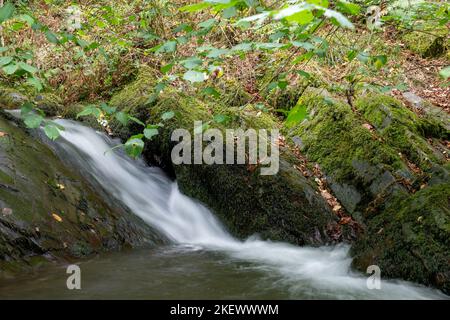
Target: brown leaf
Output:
[
  {"x": 2, "y": 134},
  {"x": 345, "y": 220}
]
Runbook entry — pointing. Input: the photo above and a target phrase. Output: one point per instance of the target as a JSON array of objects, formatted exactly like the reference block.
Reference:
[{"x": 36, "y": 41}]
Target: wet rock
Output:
[{"x": 31, "y": 197}]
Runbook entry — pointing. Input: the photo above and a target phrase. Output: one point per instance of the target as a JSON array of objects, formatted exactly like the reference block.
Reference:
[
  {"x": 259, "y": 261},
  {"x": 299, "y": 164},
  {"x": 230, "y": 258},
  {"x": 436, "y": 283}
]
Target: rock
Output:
[
  {"x": 392, "y": 180},
  {"x": 38, "y": 218}
]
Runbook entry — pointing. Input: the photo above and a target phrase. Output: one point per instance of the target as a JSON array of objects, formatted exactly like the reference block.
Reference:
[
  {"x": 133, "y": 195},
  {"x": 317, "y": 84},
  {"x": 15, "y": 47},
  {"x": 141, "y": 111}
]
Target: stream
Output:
[{"x": 202, "y": 260}]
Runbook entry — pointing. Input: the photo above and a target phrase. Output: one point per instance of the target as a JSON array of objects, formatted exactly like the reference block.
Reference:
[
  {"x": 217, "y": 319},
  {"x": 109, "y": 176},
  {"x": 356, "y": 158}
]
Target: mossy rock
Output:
[
  {"x": 431, "y": 42},
  {"x": 403, "y": 129},
  {"x": 33, "y": 196},
  {"x": 411, "y": 240},
  {"x": 11, "y": 99},
  {"x": 285, "y": 206}
]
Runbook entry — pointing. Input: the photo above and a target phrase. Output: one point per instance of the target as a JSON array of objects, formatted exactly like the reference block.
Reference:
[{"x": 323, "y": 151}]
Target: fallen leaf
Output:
[
  {"x": 345, "y": 220},
  {"x": 56, "y": 217},
  {"x": 7, "y": 211},
  {"x": 2, "y": 134}
]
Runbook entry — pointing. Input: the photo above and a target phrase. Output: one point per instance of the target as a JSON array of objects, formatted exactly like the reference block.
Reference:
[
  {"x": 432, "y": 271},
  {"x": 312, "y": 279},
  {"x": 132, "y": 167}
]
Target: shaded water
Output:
[{"x": 205, "y": 261}]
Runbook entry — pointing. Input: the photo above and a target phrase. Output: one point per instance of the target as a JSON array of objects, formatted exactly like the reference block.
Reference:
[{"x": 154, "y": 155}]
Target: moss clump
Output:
[
  {"x": 426, "y": 43},
  {"x": 11, "y": 98},
  {"x": 335, "y": 138},
  {"x": 411, "y": 240},
  {"x": 402, "y": 129}
]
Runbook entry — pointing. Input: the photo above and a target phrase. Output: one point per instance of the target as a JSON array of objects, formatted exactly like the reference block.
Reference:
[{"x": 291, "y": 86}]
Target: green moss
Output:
[
  {"x": 401, "y": 128},
  {"x": 335, "y": 138},
  {"x": 426, "y": 43},
  {"x": 11, "y": 98}
]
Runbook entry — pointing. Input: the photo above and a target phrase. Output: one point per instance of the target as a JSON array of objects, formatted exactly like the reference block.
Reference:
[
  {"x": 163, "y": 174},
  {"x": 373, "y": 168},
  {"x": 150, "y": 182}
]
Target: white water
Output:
[{"x": 148, "y": 193}]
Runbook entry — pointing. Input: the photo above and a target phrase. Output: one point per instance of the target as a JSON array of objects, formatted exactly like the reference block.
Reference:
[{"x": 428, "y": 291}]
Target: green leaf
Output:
[
  {"x": 221, "y": 118},
  {"x": 27, "y": 67},
  {"x": 88, "y": 111},
  {"x": 304, "y": 74},
  {"x": 195, "y": 7},
  {"x": 347, "y": 7},
  {"x": 215, "y": 53},
  {"x": 109, "y": 110},
  {"x": 165, "y": 69},
  {"x": 149, "y": 133},
  {"x": 6, "y": 12},
  {"x": 208, "y": 23},
  {"x": 378, "y": 61},
  {"x": 134, "y": 146},
  {"x": 445, "y": 72},
  {"x": 339, "y": 18},
  {"x": 167, "y": 115},
  {"x": 10, "y": 68},
  {"x": 301, "y": 17},
  {"x": 194, "y": 76},
  {"x": 211, "y": 92},
  {"x": 297, "y": 114},
  {"x": 51, "y": 131},
  {"x": 229, "y": 12},
  {"x": 33, "y": 120},
  {"x": 134, "y": 119},
  {"x": 352, "y": 55},
  {"x": 26, "y": 108},
  {"x": 5, "y": 60},
  {"x": 51, "y": 37},
  {"x": 191, "y": 63},
  {"x": 122, "y": 117},
  {"x": 36, "y": 82},
  {"x": 168, "y": 46}
]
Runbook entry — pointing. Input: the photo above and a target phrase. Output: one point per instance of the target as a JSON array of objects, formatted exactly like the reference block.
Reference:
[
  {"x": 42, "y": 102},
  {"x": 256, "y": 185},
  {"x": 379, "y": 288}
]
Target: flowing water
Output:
[{"x": 204, "y": 260}]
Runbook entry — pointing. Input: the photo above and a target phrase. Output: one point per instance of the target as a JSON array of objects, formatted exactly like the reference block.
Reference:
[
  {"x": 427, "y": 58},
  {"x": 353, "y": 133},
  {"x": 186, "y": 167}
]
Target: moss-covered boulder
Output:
[
  {"x": 285, "y": 206},
  {"x": 383, "y": 163},
  {"x": 411, "y": 240},
  {"x": 433, "y": 41},
  {"x": 49, "y": 212}
]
